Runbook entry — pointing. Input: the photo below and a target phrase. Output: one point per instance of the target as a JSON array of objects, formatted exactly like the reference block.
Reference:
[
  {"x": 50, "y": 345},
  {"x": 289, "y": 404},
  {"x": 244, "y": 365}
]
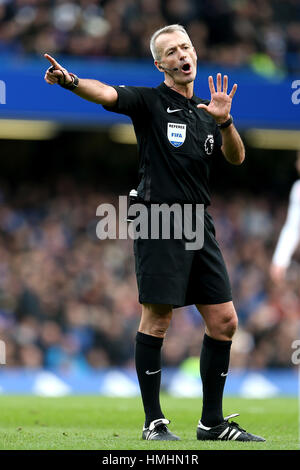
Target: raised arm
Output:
[{"x": 88, "y": 89}]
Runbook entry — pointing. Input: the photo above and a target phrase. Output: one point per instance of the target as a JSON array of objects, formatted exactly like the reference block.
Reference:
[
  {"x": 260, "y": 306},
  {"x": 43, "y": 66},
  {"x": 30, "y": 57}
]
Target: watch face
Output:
[{"x": 75, "y": 81}]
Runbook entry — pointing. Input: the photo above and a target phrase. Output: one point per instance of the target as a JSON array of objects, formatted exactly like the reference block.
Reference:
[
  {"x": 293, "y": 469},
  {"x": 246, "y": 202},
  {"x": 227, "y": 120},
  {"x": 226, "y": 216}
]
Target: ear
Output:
[
  {"x": 195, "y": 52},
  {"x": 158, "y": 66}
]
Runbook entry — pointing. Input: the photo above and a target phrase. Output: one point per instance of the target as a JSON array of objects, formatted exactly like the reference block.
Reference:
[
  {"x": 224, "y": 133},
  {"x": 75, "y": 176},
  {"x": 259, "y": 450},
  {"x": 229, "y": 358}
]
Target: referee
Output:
[{"x": 178, "y": 136}]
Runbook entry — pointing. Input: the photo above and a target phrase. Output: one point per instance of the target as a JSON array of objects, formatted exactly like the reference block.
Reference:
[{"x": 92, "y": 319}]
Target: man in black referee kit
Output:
[{"x": 178, "y": 135}]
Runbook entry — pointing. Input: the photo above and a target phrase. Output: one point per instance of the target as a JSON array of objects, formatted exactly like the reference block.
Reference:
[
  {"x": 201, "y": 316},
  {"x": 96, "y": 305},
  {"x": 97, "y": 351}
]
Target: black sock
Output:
[
  {"x": 214, "y": 363},
  {"x": 148, "y": 368}
]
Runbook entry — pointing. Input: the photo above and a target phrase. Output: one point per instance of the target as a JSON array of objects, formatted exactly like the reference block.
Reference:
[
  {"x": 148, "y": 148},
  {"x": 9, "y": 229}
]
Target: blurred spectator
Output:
[
  {"x": 68, "y": 301},
  {"x": 264, "y": 34}
]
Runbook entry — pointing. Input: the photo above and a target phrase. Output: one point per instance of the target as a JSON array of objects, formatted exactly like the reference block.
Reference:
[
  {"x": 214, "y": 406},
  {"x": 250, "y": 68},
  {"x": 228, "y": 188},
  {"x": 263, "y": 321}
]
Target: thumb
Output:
[{"x": 202, "y": 106}]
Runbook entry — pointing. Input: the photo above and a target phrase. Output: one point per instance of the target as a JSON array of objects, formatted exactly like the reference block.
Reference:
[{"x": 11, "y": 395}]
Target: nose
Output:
[{"x": 182, "y": 53}]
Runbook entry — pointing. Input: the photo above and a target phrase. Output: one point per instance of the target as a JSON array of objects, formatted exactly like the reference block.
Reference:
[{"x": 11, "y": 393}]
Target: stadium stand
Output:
[
  {"x": 264, "y": 34},
  {"x": 68, "y": 302}
]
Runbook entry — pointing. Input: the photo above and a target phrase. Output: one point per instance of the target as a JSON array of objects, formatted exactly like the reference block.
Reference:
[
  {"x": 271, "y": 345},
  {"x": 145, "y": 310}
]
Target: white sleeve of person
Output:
[{"x": 290, "y": 233}]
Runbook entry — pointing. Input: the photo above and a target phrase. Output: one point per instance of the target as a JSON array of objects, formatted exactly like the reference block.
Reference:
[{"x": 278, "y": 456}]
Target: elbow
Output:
[
  {"x": 239, "y": 159},
  {"x": 235, "y": 156},
  {"x": 109, "y": 96},
  {"x": 236, "y": 159}
]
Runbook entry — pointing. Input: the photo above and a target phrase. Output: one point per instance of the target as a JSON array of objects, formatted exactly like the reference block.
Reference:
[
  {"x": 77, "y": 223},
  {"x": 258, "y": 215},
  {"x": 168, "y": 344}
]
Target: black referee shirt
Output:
[{"x": 176, "y": 143}]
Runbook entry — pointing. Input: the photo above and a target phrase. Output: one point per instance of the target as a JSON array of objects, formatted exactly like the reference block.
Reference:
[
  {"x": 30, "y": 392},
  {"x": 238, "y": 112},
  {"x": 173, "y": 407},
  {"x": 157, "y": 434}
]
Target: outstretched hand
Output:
[
  {"x": 220, "y": 103},
  {"x": 56, "y": 73}
]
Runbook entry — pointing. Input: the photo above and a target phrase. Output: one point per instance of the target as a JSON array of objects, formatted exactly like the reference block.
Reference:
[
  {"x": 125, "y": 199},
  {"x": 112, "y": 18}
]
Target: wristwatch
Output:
[
  {"x": 226, "y": 123},
  {"x": 73, "y": 85}
]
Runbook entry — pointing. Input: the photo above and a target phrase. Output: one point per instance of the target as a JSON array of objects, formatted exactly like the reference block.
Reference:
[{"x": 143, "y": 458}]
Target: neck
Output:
[{"x": 186, "y": 90}]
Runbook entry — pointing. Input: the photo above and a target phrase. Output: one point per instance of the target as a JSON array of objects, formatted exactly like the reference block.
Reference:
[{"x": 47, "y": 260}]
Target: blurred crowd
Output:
[
  {"x": 262, "y": 34},
  {"x": 68, "y": 301}
]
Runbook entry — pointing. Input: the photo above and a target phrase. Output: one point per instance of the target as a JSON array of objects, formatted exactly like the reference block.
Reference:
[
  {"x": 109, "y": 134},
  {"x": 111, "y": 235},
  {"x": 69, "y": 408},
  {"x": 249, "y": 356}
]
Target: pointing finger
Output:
[{"x": 52, "y": 61}]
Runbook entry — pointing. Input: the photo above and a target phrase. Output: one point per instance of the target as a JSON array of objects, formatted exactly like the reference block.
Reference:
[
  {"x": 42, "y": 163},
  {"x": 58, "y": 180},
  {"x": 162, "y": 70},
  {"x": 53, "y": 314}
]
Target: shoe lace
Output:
[
  {"x": 237, "y": 426},
  {"x": 161, "y": 428}
]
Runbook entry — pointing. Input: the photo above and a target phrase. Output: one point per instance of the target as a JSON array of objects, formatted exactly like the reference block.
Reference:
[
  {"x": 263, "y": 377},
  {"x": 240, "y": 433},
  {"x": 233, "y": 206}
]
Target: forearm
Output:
[
  {"x": 285, "y": 248},
  {"x": 95, "y": 91},
  {"x": 289, "y": 236},
  {"x": 232, "y": 145}
]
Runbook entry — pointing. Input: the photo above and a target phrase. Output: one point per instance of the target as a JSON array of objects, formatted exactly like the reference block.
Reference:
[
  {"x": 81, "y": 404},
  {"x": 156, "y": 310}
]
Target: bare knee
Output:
[
  {"x": 158, "y": 327},
  {"x": 221, "y": 321},
  {"x": 155, "y": 319},
  {"x": 228, "y": 325}
]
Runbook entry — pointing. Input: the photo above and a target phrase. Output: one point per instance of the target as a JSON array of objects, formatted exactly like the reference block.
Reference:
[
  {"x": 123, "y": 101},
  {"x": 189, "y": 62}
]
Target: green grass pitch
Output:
[{"x": 102, "y": 423}]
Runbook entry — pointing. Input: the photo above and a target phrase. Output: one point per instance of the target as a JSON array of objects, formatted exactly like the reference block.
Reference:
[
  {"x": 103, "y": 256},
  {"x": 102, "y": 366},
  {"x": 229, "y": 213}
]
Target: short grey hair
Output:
[{"x": 167, "y": 29}]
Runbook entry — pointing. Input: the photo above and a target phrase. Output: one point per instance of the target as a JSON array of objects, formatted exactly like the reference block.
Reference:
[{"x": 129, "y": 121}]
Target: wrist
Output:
[
  {"x": 221, "y": 120},
  {"x": 71, "y": 85},
  {"x": 225, "y": 122}
]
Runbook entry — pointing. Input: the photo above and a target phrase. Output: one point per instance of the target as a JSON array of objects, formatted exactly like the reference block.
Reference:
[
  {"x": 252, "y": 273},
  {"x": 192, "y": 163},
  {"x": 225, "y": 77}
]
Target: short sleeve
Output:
[{"x": 130, "y": 101}]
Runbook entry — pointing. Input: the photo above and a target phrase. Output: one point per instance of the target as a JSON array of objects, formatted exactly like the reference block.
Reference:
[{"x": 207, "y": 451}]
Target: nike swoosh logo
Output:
[
  {"x": 224, "y": 375},
  {"x": 150, "y": 373},
  {"x": 173, "y": 110}
]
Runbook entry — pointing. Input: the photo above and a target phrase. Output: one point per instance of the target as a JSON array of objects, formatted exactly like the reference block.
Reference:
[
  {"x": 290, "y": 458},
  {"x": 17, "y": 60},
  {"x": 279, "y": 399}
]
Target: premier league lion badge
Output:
[{"x": 209, "y": 144}]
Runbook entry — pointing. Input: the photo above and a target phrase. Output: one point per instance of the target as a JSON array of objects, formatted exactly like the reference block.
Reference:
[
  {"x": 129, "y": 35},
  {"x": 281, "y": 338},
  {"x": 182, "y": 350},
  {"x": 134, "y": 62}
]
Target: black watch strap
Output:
[
  {"x": 226, "y": 123},
  {"x": 73, "y": 85}
]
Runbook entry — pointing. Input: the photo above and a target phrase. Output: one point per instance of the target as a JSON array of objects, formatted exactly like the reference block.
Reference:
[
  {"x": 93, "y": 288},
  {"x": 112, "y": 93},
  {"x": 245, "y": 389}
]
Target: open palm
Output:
[{"x": 220, "y": 103}]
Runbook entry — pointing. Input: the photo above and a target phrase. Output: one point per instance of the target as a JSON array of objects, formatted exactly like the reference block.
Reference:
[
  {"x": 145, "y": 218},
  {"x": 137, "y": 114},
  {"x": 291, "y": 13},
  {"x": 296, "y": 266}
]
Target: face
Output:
[{"x": 176, "y": 51}]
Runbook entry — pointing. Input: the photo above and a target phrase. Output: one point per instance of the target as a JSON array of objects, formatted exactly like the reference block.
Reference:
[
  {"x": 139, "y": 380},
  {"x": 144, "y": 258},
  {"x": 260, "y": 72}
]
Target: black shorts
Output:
[{"x": 167, "y": 273}]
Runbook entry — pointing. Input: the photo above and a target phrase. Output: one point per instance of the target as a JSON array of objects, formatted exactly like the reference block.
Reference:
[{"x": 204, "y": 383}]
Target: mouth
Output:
[{"x": 186, "y": 68}]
